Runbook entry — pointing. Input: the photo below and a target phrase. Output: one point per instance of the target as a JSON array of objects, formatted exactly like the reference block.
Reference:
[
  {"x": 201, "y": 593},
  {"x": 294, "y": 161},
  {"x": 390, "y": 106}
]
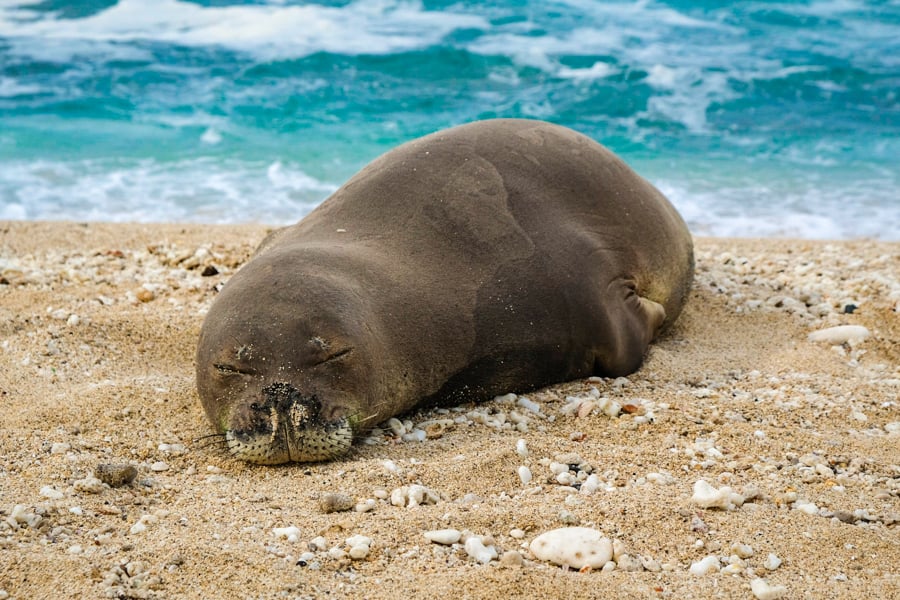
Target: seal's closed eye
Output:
[
  {"x": 232, "y": 370},
  {"x": 334, "y": 356}
]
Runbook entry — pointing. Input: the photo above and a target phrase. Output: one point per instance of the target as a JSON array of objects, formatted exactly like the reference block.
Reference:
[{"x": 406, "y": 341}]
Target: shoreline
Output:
[{"x": 98, "y": 324}]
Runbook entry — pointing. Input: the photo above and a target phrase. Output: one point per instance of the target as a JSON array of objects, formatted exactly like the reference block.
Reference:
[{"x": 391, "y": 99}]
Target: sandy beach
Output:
[{"x": 98, "y": 326}]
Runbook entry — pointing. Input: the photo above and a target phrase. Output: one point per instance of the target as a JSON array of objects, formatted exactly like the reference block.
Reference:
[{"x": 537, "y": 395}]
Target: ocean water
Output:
[{"x": 755, "y": 118}]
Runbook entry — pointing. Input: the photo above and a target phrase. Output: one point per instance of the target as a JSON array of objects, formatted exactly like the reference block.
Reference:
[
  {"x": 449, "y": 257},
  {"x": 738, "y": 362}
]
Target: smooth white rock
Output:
[
  {"x": 706, "y": 496},
  {"x": 60, "y": 448},
  {"x": 575, "y": 547},
  {"x": 476, "y": 549},
  {"x": 763, "y": 591},
  {"x": 48, "y": 492},
  {"x": 443, "y": 536},
  {"x": 841, "y": 334},
  {"x": 291, "y": 534},
  {"x": 704, "y": 566},
  {"x": 525, "y": 475},
  {"x": 522, "y": 448},
  {"x": 772, "y": 562}
]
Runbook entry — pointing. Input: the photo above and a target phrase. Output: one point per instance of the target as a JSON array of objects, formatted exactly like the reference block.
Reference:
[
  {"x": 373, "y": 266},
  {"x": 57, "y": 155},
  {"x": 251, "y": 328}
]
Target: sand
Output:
[{"x": 98, "y": 325}]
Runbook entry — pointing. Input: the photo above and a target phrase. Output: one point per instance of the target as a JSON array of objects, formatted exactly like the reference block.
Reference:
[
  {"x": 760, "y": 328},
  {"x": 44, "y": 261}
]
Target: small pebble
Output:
[
  {"x": 479, "y": 551},
  {"x": 525, "y": 475},
  {"x": 60, "y": 448},
  {"x": 334, "y": 502},
  {"x": 291, "y": 534},
  {"x": 444, "y": 536},
  {"x": 575, "y": 547},
  {"x": 841, "y": 334},
  {"x": 359, "y": 546},
  {"x": 772, "y": 562},
  {"x": 317, "y": 544},
  {"x": 115, "y": 475},
  {"x": 705, "y": 566},
  {"x": 522, "y": 448},
  {"x": 512, "y": 558},
  {"x": 413, "y": 495},
  {"x": 763, "y": 591},
  {"x": 159, "y": 466},
  {"x": 49, "y": 492},
  {"x": 90, "y": 485},
  {"x": 706, "y": 496},
  {"x": 517, "y": 534}
]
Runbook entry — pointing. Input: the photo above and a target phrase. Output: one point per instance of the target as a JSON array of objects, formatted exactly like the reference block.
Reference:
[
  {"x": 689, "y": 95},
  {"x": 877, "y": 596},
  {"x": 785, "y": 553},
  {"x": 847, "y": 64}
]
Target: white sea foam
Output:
[
  {"x": 198, "y": 190},
  {"x": 270, "y": 31}
]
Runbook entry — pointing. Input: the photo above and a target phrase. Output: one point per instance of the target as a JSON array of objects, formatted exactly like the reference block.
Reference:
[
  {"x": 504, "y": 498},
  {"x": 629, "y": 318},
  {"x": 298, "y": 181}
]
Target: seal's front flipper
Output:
[{"x": 632, "y": 330}]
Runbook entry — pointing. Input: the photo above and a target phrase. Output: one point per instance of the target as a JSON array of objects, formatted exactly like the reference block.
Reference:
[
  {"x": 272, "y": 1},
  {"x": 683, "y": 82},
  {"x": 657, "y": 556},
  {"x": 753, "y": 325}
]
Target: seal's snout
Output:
[
  {"x": 296, "y": 410},
  {"x": 284, "y": 398},
  {"x": 284, "y": 425}
]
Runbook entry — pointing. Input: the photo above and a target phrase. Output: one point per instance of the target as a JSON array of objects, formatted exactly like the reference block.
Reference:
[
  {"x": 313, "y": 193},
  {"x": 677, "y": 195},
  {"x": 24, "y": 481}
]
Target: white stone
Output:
[
  {"x": 476, "y": 549},
  {"x": 413, "y": 495},
  {"x": 48, "y": 492},
  {"x": 841, "y": 334},
  {"x": 525, "y": 475},
  {"x": 529, "y": 405},
  {"x": 139, "y": 527},
  {"x": 522, "y": 448},
  {"x": 443, "y": 536},
  {"x": 159, "y": 466},
  {"x": 575, "y": 547},
  {"x": 291, "y": 534},
  {"x": 317, "y": 544},
  {"x": 704, "y": 566},
  {"x": 772, "y": 562},
  {"x": 60, "y": 448},
  {"x": 763, "y": 591},
  {"x": 90, "y": 485},
  {"x": 706, "y": 496},
  {"x": 590, "y": 485}
]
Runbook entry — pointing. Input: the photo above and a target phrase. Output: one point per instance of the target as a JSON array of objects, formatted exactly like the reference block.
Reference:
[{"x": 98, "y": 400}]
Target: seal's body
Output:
[{"x": 496, "y": 256}]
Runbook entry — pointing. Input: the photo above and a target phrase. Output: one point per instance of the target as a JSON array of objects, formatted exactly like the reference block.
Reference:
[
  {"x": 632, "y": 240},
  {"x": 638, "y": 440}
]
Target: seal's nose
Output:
[{"x": 297, "y": 409}]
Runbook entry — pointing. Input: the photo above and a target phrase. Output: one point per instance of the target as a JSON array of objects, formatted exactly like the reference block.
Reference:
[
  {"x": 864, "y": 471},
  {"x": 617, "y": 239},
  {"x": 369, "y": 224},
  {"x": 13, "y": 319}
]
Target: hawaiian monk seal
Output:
[{"x": 497, "y": 256}]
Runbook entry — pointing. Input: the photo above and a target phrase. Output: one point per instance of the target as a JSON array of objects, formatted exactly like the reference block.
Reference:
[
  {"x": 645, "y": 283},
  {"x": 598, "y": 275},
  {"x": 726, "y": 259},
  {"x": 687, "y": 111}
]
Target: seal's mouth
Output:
[{"x": 287, "y": 426}]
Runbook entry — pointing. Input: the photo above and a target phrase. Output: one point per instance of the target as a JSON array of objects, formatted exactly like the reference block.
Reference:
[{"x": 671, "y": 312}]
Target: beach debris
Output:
[
  {"x": 115, "y": 474},
  {"x": 772, "y": 562},
  {"x": 49, "y": 492},
  {"x": 336, "y": 502},
  {"x": 574, "y": 547},
  {"x": 842, "y": 334},
  {"x": 359, "y": 546},
  {"x": 704, "y": 566},
  {"x": 706, "y": 496},
  {"x": 524, "y": 475},
  {"x": 90, "y": 485},
  {"x": 444, "y": 537},
  {"x": 481, "y": 548},
  {"x": 414, "y": 495},
  {"x": 763, "y": 591},
  {"x": 290, "y": 533}
]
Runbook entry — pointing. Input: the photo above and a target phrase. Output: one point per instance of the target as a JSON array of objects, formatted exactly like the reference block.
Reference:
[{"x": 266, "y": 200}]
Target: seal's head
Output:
[{"x": 284, "y": 368}]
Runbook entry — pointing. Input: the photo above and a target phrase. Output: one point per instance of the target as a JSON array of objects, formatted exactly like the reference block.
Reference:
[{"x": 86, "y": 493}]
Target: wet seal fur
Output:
[{"x": 497, "y": 256}]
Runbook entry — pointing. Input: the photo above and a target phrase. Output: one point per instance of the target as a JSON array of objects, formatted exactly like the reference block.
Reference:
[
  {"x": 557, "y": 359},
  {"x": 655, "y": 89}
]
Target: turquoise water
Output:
[{"x": 755, "y": 118}]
